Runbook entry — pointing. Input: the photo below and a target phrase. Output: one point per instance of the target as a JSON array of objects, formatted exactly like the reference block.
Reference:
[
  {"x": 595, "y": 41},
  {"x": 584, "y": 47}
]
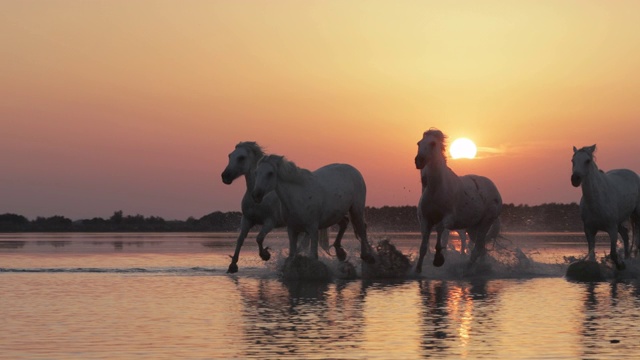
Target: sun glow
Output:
[{"x": 463, "y": 148}]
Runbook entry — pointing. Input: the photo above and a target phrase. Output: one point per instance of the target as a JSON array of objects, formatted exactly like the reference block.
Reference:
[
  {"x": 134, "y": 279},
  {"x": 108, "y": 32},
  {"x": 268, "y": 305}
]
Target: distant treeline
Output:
[{"x": 545, "y": 217}]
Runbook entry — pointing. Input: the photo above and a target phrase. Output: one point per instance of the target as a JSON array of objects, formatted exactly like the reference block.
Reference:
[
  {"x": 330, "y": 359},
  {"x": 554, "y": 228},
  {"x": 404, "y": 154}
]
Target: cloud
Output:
[
  {"x": 516, "y": 150},
  {"x": 487, "y": 152}
]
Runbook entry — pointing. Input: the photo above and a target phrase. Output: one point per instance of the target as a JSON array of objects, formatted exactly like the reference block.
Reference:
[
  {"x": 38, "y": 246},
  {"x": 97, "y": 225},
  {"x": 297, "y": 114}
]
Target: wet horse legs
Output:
[{"x": 337, "y": 244}]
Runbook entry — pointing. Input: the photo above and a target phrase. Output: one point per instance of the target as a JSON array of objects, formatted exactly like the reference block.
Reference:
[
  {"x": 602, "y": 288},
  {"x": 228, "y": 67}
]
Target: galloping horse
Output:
[
  {"x": 462, "y": 234},
  {"x": 315, "y": 200},
  {"x": 608, "y": 200},
  {"x": 469, "y": 202},
  {"x": 243, "y": 161}
]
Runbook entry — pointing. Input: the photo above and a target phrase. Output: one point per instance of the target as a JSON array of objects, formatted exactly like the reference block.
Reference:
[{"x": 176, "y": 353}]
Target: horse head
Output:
[
  {"x": 242, "y": 160},
  {"x": 266, "y": 177},
  {"x": 583, "y": 162},
  {"x": 431, "y": 146}
]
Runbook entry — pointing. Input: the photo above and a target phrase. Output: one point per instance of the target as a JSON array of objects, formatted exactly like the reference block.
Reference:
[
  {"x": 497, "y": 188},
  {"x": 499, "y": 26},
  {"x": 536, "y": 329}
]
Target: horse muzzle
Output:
[
  {"x": 420, "y": 163},
  {"x": 227, "y": 178},
  {"x": 576, "y": 180}
]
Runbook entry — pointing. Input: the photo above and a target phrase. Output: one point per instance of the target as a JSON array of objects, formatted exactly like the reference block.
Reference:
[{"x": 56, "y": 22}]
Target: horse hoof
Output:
[
  {"x": 438, "y": 260},
  {"x": 341, "y": 254},
  {"x": 418, "y": 269},
  {"x": 233, "y": 268},
  {"x": 265, "y": 254}
]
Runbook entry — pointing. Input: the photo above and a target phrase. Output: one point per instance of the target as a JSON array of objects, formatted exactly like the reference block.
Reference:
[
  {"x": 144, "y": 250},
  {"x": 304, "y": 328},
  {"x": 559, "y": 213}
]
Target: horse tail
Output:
[
  {"x": 323, "y": 239},
  {"x": 635, "y": 228},
  {"x": 495, "y": 234},
  {"x": 494, "y": 230}
]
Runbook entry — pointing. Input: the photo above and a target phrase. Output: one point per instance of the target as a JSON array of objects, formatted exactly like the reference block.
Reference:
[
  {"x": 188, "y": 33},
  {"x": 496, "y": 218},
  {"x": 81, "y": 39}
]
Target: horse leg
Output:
[
  {"x": 613, "y": 237},
  {"x": 635, "y": 227},
  {"x": 444, "y": 225},
  {"x": 293, "y": 241},
  {"x": 424, "y": 245},
  {"x": 445, "y": 239},
  {"x": 479, "y": 247},
  {"x": 266, "y": 228},
  {"x": 245, "y": 225},
  {"x": 624, "y": 233},
  {"x": 303, "y": 242},
  {"x": 438, "y": 258},
  {"x": 313, "y": 235},
  {"x": 342, "y": 227},
  {"x": 591, "y": 243},
  {"x": 360, "y": 229}
]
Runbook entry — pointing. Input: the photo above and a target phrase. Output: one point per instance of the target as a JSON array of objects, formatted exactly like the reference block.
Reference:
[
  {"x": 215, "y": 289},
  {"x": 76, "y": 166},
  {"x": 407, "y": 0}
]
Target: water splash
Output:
[
  {"x": 583, "y": 270},
  {"x": 302, "y": 267},
  {"x": 390, "y": 263}
]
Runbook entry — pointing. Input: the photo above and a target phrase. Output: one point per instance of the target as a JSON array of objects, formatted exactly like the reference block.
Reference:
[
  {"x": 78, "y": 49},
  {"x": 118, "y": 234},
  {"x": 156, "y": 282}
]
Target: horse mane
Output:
[
  {"x": 253, "y": 147},
  {"x": 588, "y": 150},
  {"x": 441, "y": 137},
  {"x": 285, "y": 169}
]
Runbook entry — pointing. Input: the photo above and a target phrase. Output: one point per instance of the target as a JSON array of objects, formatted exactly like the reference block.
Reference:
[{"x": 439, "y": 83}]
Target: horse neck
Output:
[
  {"x": 593, "y": 186},
  {"x": 250, "y": 177},
  {"x": 288, "y": 191},
  {"x": 424, "y": 177},
  {"x": 436, "y": 171}
]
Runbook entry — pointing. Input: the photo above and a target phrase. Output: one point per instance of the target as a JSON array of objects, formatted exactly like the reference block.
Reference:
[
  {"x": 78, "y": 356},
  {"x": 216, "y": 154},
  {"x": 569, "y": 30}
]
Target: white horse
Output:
[
  {"x": 462, "y": 234},
  {"x": 315, "y": 200},
  {"x": 469, "y": 202},
  {"x": 608, "y": 200},
  {"x": 243, "y": 161}
]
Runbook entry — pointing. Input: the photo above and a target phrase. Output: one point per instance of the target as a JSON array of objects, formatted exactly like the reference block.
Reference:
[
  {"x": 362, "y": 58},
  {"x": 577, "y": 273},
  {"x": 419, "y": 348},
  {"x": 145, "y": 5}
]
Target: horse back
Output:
[
  {"x": 625, "y": 185},
  {"x": 339, "y": 178},
  {"x": 624, "y": 179},
  {"x": 339, "y": 187},
  {"x": 478, "y": 196}
]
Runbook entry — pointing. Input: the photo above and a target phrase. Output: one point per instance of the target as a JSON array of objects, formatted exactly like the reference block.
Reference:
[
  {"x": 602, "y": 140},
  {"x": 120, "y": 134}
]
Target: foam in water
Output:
[
  {"x": 390, "y": 262},
  {"x": 502, "y": 261},
  {"x": 583, "y": 270},
  {"x": 302, "y": 267}
]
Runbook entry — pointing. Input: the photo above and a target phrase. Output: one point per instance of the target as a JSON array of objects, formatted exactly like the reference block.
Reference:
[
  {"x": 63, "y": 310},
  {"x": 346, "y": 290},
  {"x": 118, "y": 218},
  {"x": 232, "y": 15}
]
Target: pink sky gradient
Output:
[{"x": 134, "y": 106}]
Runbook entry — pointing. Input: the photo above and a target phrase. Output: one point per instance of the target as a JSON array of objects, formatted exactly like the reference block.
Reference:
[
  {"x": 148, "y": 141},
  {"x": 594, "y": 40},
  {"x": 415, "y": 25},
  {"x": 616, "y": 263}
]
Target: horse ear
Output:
[
  {"x": 592, "y": 148},
  {"x": 575, "y": 150}
]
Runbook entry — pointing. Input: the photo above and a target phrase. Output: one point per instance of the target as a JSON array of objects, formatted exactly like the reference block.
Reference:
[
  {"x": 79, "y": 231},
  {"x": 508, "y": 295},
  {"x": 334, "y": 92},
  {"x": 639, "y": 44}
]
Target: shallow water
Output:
[{"x": 93, "y": 296}]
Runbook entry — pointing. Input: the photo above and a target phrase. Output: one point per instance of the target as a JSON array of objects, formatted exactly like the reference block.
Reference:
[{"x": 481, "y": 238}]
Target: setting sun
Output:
[{"x": 463, "y": 148}]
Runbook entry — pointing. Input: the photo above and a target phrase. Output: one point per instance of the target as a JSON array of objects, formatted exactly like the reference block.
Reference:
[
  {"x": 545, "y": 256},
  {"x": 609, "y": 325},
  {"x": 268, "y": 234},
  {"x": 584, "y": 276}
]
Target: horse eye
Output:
[
  {"x": 270, "y": 174},
  {"x": 588, "y": 161},
  {"x": 432, "y": 144},
  {"x": 241, "y": 158}
]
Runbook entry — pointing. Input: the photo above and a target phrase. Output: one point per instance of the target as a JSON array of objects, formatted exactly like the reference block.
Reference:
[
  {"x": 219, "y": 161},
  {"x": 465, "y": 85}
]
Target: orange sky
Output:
[{"x": 134, "y": 106}]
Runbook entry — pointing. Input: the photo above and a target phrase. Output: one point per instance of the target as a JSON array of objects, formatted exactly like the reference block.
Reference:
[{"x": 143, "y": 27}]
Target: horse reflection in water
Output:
[
  {"x": 315, "y": 200},
  {"x": 242, "y": 162},
  {"x": 604, "y": 306},
  {"x": 455, "y": 313},
  {"x": 469, "y": 202},
  {"x": 608, "y": 200},
  {"x": 299, "y": 318}
]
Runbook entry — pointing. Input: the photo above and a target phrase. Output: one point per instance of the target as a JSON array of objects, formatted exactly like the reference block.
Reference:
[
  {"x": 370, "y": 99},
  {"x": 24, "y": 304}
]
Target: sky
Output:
[{"x": 135, "y": 105}]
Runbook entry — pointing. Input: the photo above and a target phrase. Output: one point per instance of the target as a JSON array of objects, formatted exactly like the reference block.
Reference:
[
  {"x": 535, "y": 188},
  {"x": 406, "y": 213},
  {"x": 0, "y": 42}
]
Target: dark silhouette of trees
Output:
[
  {"x": 54, "y": 224},
  {"x": 514, "y": 218},
  {"x": 13, "y": 222}
]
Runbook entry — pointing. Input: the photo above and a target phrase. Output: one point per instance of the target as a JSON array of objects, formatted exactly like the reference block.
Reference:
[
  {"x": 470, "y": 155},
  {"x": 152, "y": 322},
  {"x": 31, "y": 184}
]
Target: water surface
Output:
[{"x": 97, "y": 296}]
